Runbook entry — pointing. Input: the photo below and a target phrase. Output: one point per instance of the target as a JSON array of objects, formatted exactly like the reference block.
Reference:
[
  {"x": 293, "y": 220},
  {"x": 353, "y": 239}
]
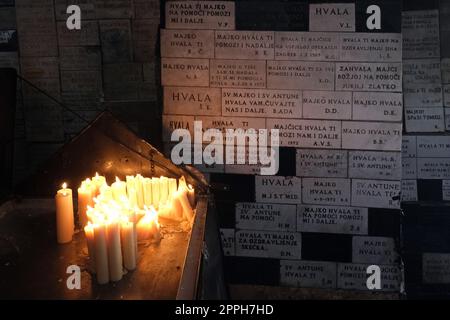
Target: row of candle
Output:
[{"x": 115, "y": 217}]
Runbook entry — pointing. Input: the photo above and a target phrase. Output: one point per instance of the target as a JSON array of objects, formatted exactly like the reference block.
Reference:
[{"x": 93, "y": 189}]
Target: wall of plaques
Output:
[{"x": 333, "y": 87}]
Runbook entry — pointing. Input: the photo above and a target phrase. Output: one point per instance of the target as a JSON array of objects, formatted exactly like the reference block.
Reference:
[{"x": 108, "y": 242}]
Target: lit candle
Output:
[
  {"x": 89, "y": 233},
  {"x": 147, "y": 184},
  {"x": 132, "y": 197},
  {"x": 106, "y": 193},
  {"x": 114, "y": 250},
  {"x": 191, "y": 195},
  {"x": 64, "y": 215},
  {"x": 119, "y": 189},
  {"x": 101, "y": 254},
  {"x": 139, "y": 190},
  {"x": 172, "y": 186},
  {"x": 155, "y": 192},
  {"x": 85, "y": 199},
  {"x": 128, "y": 244},
  {"x": 98, "y": 182},
  {"x": 177, "y": 209},
  {"x": 148, "y": 226},
  {"x": 184, "y": 200},
  {"x": 164, "y": 189}
]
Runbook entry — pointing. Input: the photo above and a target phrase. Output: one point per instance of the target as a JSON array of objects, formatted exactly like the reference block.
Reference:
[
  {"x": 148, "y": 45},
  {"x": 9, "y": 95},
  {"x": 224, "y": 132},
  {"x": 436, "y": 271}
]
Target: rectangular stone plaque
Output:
[
  {"x": 262, "y": 103},
  {"x": 409, "y": 146},
  {"x": 332, "y": 219},
  {"x": 276, "y": 189},
  {"x": 372, "y": 136},
  {"x": 352, "y": 76},
  {"x": 200, "y": 15},
  {"x": 445, "y": 70},
  {"x": 433, "y": 168},
  {"x": 436, "y": 268},
  {"x": 378, "y": 106},
  {"x": 185, "y": 72},
  {"x": 308, "y": 46},
  {"x": 268, "y": 244},
  {"x": 307, "y": 133},
  {"x": 81, "y": 81},
  {"x": 192, "y": 101},
  {"x": 423, "y": 71},
  {"x": 423, "y": 95},
  {"x": 409, "y": 168},
  {"x": 447, "y": 118},
  {"x": 354, "y": 276},
  {"x": 433, "y": 146},
  {"x": 376, "y": 47},
  {"x": 326, "y": 191},
  {"x": 171, "y": 123},
  {"x": 420, "y": 34},
  {"x": 374, "y": 250},
  {"x": 265, "y": 216},
  {"x": 257, "y": 45},
  {"x": 187, "y": 43},
  {"x": 308, "y": 274},
  {"x": 39, "y": 67},
  {"x": 80, "y": 58},
  {"x": 446, "y": 190},
  {"x": 227, "y": 237},
  {"x": 238, "y": 74},
  {"x": 424, "y": 120},
  {"x": 327, "y": 105},
  {"x": 87, "y": 36},
  {"x": 300, "y": 75},
  {"x": 446, "y": 89},
  {"x": 332, "y": 17},
  {"x": 321, "y": 163},
  {"x": 409, "y": 190},
  {"x": 375, "y": 165},
  {"x": 376, "y": 193}
]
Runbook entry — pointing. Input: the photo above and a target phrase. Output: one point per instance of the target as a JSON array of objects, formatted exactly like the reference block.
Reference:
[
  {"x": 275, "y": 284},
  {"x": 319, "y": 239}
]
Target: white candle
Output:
[
  {"x": 106, "y": 193},
  {"x": 101, "y": 254},
  {"x": 172, "y": 187},
  {"x": 85, "y": 199},
  {"x": 128, "y": 245},
  {"x": 139, "y": 190},
  {"x": 119, "y": 190},
  {"x": 64, "y": 215},
  {"x": 164, "y": 189},
  {"x": 132, "y": 198},
  {"x": 184, "y": 200},
  {"x": 155, "y": 192},
  {"x": 114, "y": 250},
  {"x": 177, "y": 208},
  {"x": 147, "y": 184},
  {"x": 148, "y": 226},
  {"x": 191, "y": 195},
  {"x": 89, "y": 233},
  {"x": 98, "y": 182}
]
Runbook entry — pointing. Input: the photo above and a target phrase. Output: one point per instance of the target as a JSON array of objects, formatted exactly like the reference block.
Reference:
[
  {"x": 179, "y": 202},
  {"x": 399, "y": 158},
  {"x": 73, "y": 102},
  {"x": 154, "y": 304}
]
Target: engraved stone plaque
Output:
[
  {"x": 376, "y": 250},
  {"x": 238, "y": 73},
  {"x": 262, "y": 103},
  {"x": 80, "y": 58},
  {"x": 332, "y": 219},
  {"x": 420, "y": 34},
  {"x": 436, "y": 268},
  {"x": 87, "y": 36},
  {"x": 446, "y": 89},
  {"x": 265, "y": 216},
  {"x": 276, "y": 189},
  {"x": 376, "y": 193},
  {"x": 187, "y": 43},
  {"x": 409, "y": 190},
  {"x": 192, "y": 101},
  {"x": 185, "y": 72},
  {"x": 354, "y": 276},
  {"x": 268, "y": 244},
  {"x": 377, "y": 106},
  {"x": 433, "y": 146},
  {"x": 326, "y": 191},
  {"x": 375, "y": 165},
  {"x": 327, "y": 105},
  {"x": 445, "y": 70},
  {"x": 227, "y": 237},
  {"x": 257, "y": 45},
  {"x": 321, "y": 163},
  {"x": 433, "y": 168},
  {"x": 376, "y": 47},
  {"x": 171, "y": 123},
  {"x": 421, "y": 71},
  {"x": 446, "y": 190},
  {"x": 308, "y": 274},
  {"x": 423, "y": 95},
  {"x": 332, "y": 17},
  {"x": 424, "y": 119},
  {"x": 409, "y": 146},
  {"x": 409, "y": 168},
  {"x": 372, "y": 136},
  {"x": 81, "y": 81}
]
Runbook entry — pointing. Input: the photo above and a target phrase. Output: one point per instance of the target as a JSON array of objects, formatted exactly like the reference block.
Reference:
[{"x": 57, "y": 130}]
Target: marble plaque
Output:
[
  {"x": 420, "y": 31},
  {"x": 375, "y": 165},
  {"x": 227, "y": 237},
  {"x": 433, "y": 146},
  {"x": 171, "y": 123},
  {"x": 436, "y": 268},
  {"x": 354, "y": 276},
  {"x": 375, "y": 250},
  {"x": 409, "y": 146},
  {"x": 425, "y": 71},
  {"x": 192, "y": 101},
  {"x": 409, "y": 168},
  {"x": 277, "y": 189},
  {"x": 300, "y": 75},
  {"x": 187, "y": 43},
  {"x": 409, "y": 190},
  {"x": 377, "y": 106},
  {"x": 265, "y": 216},
  {"x": 308, "y": 274},
  {"x": 332, "y": 219},
  {"x": 326, "y": 191},
  {"x": 333, "y": 105},
  {"x": 433, "y": 168},
  {"x": 321, "y": 163},
  {"x": 332, "y": 17},
  {"x": 424, "y": 120},
  {"x": 307, "y": 46},
  {"x": 372, "y": 136},
  {"x": 268, "y": 244},
  {"x": 376, "y": 47},
  {"x": 256, "y": 45},
  {"x": 200, "y": 15},
  {"x": 376, "y": 193},
  {"x": 423, "y": 95},
  {"x": 307, "y": 133},
  {"x": 262, "y": 103},
  {"x": 352, "y": 76},
  {"x": 446, "y": 190},
  {"x": 185, "y": 72},
  {"x": 238, "y": 74}
]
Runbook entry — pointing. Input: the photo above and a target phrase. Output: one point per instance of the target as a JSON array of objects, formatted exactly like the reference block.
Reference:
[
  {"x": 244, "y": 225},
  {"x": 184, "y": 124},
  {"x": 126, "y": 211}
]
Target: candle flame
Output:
[
  {"x": 96, "y": 175},
  {"x": 64, "y": 185},
  {"x": 117, "y": 179}
]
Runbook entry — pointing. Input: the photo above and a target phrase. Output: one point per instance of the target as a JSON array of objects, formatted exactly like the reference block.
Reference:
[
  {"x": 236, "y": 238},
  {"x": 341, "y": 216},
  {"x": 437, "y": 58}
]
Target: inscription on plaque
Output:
[
  {"x": 446, "y": 89},
  {"x": 326, "y": 191},
  {"x": 332, "y": 17},
  {"x": 327, "y": 105},
  {"x": 238, "y": 73},
  {"x": 375, "y": 165},
  {"x": 409, "y": 146},
  {"x": 385, "y": 47},
  {"x": 227, "y": 237},
  {"x": 433, "y": 168},
  {"x": 424, "y": 119},
  {"x": 423, "y": 95},
  {"x": 278, "y": 189},
  {"x": 307, "y": 133},
  {"x": 446, "y": 190},
  {"x": 372, "y": 136},
  {"x": 200, "y": 15},
  {"x": 369, "y": 77},
  {"x": 321, "y": 163},
  {"x": 266, "y": 216},
  {"x": 308, "y": 274},
  {"x": 300, "y": 75},
  {"x": 268, "y": 244},
  {"x": 354, "y": 276},
  {"x": 420, "y": 34},
  {"x": 332, "y": 219},
  {"x": 421, "y": 71},
  {"x": 433, "y": 146},
  {"x": 185, "y": 72},
  {"x": 409, "y": 168},
  {"x": 409, "y": 190},
  {"x": 376, "y": 193},
  {"x": 244, "y": 45},
  {"x": 192, "y": 101},
  {"x": 436, "y": 268},
  {"x": 376, "y": 250},
  {"x": 172, "y": 122},
  {"x": 377, "y": 106},
  {"x": 187, "y": 43},
  {"x": 262, "y": 103}
]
